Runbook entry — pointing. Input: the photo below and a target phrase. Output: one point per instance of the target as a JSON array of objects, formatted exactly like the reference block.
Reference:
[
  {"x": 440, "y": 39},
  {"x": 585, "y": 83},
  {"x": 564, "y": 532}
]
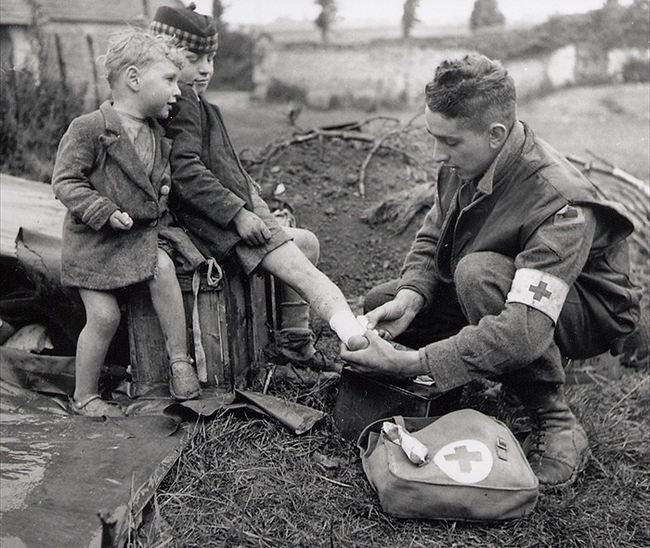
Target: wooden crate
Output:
[{"x": 236, "y": 317}]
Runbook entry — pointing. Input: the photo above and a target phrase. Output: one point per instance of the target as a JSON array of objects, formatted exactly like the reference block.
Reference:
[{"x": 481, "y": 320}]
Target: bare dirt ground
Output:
[{"x": 321, "y": 181}]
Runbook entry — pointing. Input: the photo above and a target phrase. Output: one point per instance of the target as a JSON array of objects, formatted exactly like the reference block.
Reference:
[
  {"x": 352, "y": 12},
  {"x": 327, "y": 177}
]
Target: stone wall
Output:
[
  {"x": 16, "y": 50},
  {"x": 391, "y": 74},
  {"x": 70, "y": 51}
]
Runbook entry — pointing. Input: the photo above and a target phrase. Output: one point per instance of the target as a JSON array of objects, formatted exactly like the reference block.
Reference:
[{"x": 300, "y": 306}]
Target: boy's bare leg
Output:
[
  {"x": 295, "y": 338},
  {"x": 102, "y": 321},
  {"x": 167, "y": 301},
  {"x": 288, "y": 264},
  {"x": 308, "y": 244}
]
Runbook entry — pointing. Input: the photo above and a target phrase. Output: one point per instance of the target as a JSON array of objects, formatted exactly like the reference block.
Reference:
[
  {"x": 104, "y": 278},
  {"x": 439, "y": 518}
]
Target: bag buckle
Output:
[{"x": 502, "y": 449}]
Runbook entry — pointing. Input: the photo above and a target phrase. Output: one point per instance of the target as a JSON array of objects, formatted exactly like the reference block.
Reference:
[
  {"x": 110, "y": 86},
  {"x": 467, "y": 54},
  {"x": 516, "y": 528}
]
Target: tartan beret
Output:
[{"x": 192, "y": 30}]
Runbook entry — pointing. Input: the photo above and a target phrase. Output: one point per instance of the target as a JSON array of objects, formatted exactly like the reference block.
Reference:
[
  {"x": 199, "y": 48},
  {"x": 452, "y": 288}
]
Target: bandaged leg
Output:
[
  {"x": 289, "y": 264},
  {"x": 350, "y": 329}
]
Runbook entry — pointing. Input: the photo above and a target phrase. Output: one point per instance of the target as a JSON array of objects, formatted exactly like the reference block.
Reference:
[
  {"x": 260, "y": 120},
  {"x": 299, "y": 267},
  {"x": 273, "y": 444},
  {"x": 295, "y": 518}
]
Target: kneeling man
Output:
[{"x": 518, "y": 266}]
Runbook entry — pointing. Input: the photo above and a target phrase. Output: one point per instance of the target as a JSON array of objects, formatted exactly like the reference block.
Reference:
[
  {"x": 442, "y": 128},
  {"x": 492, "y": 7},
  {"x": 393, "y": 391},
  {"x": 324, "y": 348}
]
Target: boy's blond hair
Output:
[{"x": 134, "y": 47}]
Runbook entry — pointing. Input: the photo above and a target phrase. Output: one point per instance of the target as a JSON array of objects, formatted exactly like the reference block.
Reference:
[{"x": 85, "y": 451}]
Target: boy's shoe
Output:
[
  {"x": 296, "y": 345},
  {"x": 94, "y": 406},
  {"x": 321, "y": 364},
  {"x": 183, "y": 382}
]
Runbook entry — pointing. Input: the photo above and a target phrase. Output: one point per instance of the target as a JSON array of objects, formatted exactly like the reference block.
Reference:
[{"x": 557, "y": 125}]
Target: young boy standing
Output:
[
  {"x": 217, "y": 201},
  {"x": 112, "y": 173}
]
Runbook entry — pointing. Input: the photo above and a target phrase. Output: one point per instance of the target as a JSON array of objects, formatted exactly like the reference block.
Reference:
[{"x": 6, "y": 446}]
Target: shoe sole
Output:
[{"x": 582, "y": 465}]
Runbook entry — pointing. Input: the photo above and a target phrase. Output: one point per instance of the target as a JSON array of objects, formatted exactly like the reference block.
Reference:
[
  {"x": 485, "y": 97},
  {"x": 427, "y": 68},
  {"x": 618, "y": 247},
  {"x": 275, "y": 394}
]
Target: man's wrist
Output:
[
  {"x": 410, "y": 364},
  {"x": 410, "y": 299}
]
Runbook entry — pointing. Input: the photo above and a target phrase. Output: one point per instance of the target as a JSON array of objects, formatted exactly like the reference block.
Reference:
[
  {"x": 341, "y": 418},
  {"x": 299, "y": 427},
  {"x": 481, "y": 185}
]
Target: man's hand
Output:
[
  {"x": 250, "y": 227},
  {"x": 120, "y": 220},
  {"x": 381, "y": 358},
  {"x": 392, "y": 318}
]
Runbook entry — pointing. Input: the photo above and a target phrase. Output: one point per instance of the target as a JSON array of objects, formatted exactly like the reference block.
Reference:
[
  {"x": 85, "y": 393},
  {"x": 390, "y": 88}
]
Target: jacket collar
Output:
[
  {"x": 120, "y": 148},
  {"x": 111, "y": 118},
  {"x": 114, "y": 125},
  {"x": 508, "y": 154}
]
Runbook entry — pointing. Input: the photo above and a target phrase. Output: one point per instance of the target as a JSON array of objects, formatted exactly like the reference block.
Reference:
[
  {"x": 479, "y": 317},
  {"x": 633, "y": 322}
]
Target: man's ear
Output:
[
  {"x": 133, "y": 78},
  {"x": 498, "y": 135}
]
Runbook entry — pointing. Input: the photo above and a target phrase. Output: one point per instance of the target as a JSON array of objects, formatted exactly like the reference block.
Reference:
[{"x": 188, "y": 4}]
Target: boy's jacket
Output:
[
  {"x": 210, "y": 184},
  {"x": 97, "y": 172}
]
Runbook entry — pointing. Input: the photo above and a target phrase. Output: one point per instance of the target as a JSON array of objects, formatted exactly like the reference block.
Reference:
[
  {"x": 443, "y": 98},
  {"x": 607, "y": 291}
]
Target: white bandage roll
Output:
[
  {"x": 414, "y": 449},
  {"x": 345, "y": 325}
]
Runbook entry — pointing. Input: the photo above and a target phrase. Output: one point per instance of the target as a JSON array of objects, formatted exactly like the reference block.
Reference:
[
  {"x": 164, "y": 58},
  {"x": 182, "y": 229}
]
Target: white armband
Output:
[{"x": 538, "y": 290}]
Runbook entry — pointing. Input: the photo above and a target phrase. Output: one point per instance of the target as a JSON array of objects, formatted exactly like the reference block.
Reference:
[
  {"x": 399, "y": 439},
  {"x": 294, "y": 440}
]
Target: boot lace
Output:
[{"x": 538, "y": 437}]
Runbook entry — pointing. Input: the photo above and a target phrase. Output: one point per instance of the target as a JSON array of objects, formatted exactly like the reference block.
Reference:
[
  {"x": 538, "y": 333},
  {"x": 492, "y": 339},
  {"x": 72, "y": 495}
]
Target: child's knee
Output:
[
  {"x": 105, "y": 318},
  {"x": 166, "y": 267},
  {"x": 307, "y": 242}
]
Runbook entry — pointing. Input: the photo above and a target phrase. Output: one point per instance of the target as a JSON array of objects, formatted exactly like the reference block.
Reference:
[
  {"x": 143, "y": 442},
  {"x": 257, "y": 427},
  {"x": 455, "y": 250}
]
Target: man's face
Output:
[
  {"x": 158, "y": 89},
  {"x": 198, "y": 70},
  {"x": 468, "y": 152}
]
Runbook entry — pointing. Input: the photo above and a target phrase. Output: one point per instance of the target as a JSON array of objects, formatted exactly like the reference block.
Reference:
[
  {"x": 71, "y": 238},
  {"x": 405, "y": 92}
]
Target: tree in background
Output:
[
  {"x": 234, "y": 59},
  {"x": 486, "y": 13},
  {"x": 409, "y": 17},
  {"x": 326, "y": 18},
  {"x": 217, "y": 13},
  {"x": 637, "y": 23}
]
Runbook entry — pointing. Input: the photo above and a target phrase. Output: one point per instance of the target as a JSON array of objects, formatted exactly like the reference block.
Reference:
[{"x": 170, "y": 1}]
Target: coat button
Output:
[
  {"x": 153, "y": 223},
  {"x": 164, "y": 190}
]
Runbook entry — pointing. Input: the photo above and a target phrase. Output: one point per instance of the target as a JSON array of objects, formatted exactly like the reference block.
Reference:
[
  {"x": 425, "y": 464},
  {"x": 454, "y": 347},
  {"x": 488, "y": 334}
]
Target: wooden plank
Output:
[
  {"x": 146, "y": 341},
  {"x": 239, "y": 315}
]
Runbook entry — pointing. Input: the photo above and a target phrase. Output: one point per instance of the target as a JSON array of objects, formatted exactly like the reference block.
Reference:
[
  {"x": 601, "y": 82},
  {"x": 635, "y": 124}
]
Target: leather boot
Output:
[{"x": 557, "y": 448}]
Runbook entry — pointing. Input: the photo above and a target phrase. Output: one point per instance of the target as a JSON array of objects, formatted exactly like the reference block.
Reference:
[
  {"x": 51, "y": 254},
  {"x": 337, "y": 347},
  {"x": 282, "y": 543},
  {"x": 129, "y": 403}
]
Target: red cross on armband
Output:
[{"x": 539, "y": 290}]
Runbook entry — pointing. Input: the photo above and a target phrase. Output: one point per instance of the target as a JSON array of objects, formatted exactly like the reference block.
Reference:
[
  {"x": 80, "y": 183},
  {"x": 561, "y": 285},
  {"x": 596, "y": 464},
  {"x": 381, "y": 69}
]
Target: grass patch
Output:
[
  {"x": 35, "y": 112},
  {"x": 249, "y": 482}
]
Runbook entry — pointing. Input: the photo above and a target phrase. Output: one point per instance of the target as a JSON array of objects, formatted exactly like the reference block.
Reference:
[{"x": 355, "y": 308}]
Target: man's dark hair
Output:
[{"x": 474, "y": 88}]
